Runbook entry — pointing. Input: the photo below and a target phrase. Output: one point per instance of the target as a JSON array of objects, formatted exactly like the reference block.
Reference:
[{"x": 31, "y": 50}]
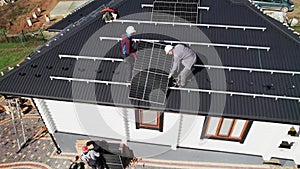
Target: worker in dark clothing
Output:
[
  {"x": 91, "y": 157},
  {"x": 128, "y": 50},
  {"x": 109, "y": 14},
  {"x": 184, "y": 55}
]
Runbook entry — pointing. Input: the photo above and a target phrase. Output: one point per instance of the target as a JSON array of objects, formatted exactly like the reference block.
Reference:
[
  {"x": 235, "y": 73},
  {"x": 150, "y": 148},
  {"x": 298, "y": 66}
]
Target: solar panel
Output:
[
  {"x": 175, "y": 12},
  {"x": 179, "y": 1},
  {"x": 150, "y": 73}
]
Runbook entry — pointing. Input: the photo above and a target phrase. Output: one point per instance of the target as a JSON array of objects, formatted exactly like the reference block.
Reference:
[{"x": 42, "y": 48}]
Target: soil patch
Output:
[{"x": 13, "y": 16}]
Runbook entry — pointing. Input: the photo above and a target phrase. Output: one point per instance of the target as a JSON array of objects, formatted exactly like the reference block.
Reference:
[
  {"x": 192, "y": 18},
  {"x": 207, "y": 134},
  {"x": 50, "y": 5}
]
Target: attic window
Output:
[
  {"x": 225, "y": 129},
  {"x": 149, "y": 119}
]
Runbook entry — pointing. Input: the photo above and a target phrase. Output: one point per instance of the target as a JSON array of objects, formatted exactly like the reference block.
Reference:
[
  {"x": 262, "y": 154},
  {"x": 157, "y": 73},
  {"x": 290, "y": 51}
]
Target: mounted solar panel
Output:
[
  {"x": 175, "y": 12},
  {"x": 150, "y": 73},
  {"x": 179, "y": 1}
]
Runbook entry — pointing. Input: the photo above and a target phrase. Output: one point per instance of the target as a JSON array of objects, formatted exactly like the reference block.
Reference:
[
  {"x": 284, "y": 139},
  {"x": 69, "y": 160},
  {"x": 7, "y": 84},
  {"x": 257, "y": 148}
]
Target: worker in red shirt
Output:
[{"x": 128, "y": 49}]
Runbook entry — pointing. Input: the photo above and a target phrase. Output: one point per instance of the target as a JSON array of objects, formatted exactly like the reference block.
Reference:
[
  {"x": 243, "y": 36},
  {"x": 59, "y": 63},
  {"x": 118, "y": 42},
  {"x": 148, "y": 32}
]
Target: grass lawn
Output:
[
  {"x": 13, "y": 53},
  {"x": 297, "y": 28},
  {"x": 296, "y": 14}
]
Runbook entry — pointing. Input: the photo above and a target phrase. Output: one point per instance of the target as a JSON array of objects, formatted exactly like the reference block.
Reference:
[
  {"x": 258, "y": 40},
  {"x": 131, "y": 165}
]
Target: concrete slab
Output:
[
  {"x": 183, "y": 154},
  {"x": 64, "y": 8}
]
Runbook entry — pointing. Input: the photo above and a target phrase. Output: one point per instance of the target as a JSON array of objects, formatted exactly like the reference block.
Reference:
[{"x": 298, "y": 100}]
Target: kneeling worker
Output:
[{"x": 184, "y": 55}]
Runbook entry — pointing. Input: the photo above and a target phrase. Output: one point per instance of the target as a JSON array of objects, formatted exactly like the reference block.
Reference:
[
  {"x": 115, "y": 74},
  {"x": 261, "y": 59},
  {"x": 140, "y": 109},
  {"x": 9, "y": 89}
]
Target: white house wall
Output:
[
  {"x": 263, "y": 139},
  {"x": 87, "y": 119},
  {"x": 119, "y": 123}
]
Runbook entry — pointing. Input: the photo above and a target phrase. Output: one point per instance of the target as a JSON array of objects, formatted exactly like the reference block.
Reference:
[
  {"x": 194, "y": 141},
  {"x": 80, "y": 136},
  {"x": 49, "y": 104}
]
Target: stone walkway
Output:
[{"x": 39, "y": 153}]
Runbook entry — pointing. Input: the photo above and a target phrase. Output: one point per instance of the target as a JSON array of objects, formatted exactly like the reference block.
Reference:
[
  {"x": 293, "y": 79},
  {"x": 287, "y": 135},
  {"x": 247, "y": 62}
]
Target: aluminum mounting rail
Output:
[
  {"x": 203, "y": 8},
  {"x": 90, "y": 58},
  {"x": 88, "y": 81},
  {"x": 293, "y": 73},
  {"x": 147, "y": 5},
  {"x": 181, "y": 89},
  {"x": 192, "y": 43},
  {"x": 249, "y": 69},
  {"x": 236, "y": 93},
  {"x": 191, "y": 24}
]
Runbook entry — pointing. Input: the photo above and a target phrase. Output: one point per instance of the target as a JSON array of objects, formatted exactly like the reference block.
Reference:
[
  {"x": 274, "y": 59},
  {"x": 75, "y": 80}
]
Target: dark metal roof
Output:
[{"x": 32, "y": 78}]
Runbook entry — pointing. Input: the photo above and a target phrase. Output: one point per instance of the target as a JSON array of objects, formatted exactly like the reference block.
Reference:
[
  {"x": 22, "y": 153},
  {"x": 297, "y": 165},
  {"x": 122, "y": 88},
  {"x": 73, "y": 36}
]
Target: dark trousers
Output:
[
  {"x": 95, "y": 164},
  {"x": 129, "y": 61}
]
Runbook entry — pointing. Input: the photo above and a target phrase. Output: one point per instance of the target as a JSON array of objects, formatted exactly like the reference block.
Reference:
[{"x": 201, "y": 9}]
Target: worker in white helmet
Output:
[
  {"x": 128, "y": 49},
  {"x": 184, "y": 55}
]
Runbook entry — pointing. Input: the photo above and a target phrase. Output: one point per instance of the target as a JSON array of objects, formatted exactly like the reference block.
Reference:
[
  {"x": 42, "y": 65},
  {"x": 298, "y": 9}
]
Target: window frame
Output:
[
  {"x": 240, "y": 139},
  {"x": 140, "y": 125}
]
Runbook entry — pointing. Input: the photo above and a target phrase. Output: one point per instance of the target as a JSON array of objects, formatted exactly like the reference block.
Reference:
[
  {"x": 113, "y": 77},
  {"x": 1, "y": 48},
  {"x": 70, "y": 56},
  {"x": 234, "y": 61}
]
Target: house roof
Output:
[{"x": 32, "y": 78}]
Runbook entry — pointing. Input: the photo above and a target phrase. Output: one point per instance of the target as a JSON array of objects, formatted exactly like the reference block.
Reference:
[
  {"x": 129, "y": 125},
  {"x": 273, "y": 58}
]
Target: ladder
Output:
[{"x": 17, "y": 122}]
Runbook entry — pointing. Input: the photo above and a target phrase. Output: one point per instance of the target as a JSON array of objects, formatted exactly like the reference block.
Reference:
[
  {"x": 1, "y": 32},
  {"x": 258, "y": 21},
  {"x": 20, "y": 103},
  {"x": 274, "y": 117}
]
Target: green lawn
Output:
[
  {"x": 13, "y": 53},
  {"x": 296, "y": 14},
  {"x": 297, "y": 28}
]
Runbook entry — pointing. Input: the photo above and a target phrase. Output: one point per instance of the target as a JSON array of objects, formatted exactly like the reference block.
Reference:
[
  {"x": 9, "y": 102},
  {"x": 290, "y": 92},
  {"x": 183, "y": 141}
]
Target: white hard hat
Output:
[
  {"x": 168, "y": 48},
  {"x": 130, "y": 30}
]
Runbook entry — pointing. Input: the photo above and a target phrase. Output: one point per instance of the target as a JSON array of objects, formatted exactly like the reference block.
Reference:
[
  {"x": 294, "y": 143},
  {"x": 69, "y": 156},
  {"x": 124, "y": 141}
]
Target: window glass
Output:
[
  {"x": 149, "y": 117},
  {"x": 226, "y": 127},
  {"x": 213, "y": 125},
  {"x": 238, "y": 128}
]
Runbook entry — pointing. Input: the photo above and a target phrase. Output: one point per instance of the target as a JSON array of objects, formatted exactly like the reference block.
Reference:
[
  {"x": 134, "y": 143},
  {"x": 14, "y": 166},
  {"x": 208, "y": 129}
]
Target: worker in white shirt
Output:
[{"x": 184, "y": 55}]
